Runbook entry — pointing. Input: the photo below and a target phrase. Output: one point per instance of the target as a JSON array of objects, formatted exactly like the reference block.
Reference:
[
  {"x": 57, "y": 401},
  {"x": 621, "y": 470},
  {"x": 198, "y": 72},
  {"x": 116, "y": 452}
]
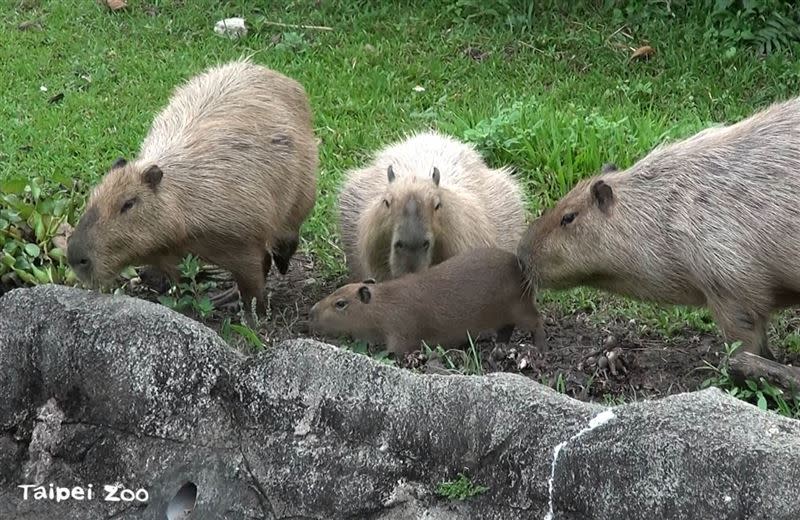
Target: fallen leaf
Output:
[
  {"x": 116, "y": 5},
  {"x": 643, "y": 53},
  {"x": 419, "y": 88}
]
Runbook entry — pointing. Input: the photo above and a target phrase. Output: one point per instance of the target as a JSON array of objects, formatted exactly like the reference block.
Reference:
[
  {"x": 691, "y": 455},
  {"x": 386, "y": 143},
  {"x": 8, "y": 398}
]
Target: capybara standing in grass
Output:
[
  {"x": 476, "y": 291},
  {"x": 227, "y": 172},
  {"x": 423, "y": 200},
  {"x": 713, "y": 220}
]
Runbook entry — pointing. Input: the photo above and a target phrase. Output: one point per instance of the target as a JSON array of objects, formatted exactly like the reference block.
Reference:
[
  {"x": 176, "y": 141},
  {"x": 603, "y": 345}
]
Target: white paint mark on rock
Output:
[{"x": 597, "y": 421}]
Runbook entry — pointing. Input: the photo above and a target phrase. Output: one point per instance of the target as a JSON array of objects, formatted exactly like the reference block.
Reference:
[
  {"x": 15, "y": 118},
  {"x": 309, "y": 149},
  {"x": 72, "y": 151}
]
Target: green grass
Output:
[
  {"x": 460, "y": 489},
  {"x": 555, "y": 94}
]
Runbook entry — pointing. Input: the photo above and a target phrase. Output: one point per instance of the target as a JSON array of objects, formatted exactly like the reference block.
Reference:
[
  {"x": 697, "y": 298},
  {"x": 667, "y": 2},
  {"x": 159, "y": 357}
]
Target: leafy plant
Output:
[
  {"x": 361, "y": 347},
  {"x": 461, "y": 488},
  {"x": 767, "y": 25},
  {"x": 189, "y": 294},
  {"x": 250, "y": 336},
  {"x": 760, "y": 393},
  {"x": 32, "y": 213}
]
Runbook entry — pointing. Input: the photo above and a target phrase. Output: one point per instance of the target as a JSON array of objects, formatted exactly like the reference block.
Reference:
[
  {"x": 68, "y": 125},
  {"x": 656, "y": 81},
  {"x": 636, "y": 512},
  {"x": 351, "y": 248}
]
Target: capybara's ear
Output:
[
  {"x": 364, "y": 294},
  {"x": 119, "y": 163},
  {"x": 390, "y": 173},
  {"x": 152, "y": 176},
  {"x": 608, "y": 168},
  {"x": 603, "y": 195},
  {"x": 435, "y": 175},
  {"x": 369, "y": 280}
]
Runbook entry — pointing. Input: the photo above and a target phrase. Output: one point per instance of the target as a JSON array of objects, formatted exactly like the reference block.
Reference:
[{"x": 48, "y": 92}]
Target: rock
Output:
[{"x": 110, "y": 390}]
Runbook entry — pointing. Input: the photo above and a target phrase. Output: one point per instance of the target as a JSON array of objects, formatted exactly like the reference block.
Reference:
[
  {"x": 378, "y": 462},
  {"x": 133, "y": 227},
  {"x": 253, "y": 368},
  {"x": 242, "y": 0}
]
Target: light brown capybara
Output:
[
  {"x": 476, "y": 291},
  {"x": 712, "y": 220},
  {"x": 423, "y": 200},
  {"x": 227, "y": 172}
]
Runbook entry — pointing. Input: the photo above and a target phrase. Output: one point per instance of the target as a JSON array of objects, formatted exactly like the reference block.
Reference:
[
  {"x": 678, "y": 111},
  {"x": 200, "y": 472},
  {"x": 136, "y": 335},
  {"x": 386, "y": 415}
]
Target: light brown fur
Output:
[
  {"x": 476, "y": 291},
  {"x": 238, "y": 157},
  {"x": 472, "y": 206},
  {"x": 712, "y": 221}
]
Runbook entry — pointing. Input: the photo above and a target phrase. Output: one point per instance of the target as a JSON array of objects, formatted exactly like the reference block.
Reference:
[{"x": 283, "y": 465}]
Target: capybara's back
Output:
[
  {"x": 711, "y": 220},
  {"x": 227, "y": 172}
]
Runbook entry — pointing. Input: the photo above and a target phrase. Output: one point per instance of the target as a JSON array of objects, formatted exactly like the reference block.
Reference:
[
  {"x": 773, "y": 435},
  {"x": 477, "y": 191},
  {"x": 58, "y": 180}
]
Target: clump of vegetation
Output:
[
  {"x": 462, "y": 488},
  {"x": 189, "y": 293},
  {"x": 760, "y": 393},
  {"x": 465, "y": 362},
  {"x": 32, "y": 213},
  {"x": 229, "y": 331}
]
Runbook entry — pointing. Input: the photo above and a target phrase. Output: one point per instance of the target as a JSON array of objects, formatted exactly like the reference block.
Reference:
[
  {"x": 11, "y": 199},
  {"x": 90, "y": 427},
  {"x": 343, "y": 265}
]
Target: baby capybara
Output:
[
  {"x": 227, "y": 172},
  {"x": 713, "y": 220},
  {"x": 477, "y": 291}
]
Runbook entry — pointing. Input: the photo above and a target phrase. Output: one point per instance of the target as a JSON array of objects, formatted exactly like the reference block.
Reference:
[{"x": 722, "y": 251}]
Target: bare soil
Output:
[{"x": 612, "y": 362}]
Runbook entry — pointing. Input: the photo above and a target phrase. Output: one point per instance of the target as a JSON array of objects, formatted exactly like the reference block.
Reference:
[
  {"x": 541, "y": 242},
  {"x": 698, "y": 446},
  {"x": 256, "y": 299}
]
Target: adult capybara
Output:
[
  {"x": 476, "y": 291},
  {"x": 423, "y": 200},
  {"x": 712, "y": 220},
  {"x": 227, "y": 172}
]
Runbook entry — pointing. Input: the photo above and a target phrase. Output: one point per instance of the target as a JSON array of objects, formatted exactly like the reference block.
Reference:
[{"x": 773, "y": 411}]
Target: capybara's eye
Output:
[
  {"x": 398, "y": 245},
  {"x": 386, "y": 202},
  {"x": 128, "y": 205},
  {"x": 438, "y": 205},
  {"x": 426, "y": 245},
  {"x": 341, "y": 304},
  {"x": 568, "y": 218}
]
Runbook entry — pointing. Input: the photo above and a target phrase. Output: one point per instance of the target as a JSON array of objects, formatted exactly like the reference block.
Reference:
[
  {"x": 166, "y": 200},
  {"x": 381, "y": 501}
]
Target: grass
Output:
[
  {"x": 460, "y": 489},
  {"x": 548, "y": 89}
]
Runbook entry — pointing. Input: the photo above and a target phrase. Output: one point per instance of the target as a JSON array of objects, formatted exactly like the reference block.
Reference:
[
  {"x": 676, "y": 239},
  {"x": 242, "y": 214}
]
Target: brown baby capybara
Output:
[
  {"x": 713, "y": 220},
  {"x": 476, "y": 291},
  {"x": 423, "y": 200},
  {"x": 227, "y": 173}
]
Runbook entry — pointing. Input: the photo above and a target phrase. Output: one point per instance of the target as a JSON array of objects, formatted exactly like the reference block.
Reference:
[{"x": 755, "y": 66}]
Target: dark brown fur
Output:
[{"x": 475, "y": 291}]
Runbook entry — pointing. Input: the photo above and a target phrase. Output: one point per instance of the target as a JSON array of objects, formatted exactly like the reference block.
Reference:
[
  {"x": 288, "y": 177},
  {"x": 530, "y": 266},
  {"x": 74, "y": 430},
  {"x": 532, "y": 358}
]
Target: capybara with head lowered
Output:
[
  {"x": 227, "y": 172},
  {"x": 713, "y": 220},
  {"x": 423, "y": 200},
  {"x": 476, "y": 291}
]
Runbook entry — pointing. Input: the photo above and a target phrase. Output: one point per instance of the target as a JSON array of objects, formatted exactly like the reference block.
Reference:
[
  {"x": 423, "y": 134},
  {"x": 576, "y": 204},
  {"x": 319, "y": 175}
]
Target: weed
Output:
[
  {"x": 189, "y": 294},
  {"x": 461, "y": 488},
  {"x": 760, "y": 393},
  {"x": 250, "y": 336}
]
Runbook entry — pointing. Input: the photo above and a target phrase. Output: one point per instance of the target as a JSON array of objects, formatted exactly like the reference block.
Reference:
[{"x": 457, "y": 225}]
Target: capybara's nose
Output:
[{"x": 78, "y": 259}]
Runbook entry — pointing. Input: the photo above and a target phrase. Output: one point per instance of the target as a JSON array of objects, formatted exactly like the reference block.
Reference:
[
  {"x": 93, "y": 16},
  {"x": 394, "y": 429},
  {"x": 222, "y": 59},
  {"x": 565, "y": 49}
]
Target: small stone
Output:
[{"x": 602, "y": 363}]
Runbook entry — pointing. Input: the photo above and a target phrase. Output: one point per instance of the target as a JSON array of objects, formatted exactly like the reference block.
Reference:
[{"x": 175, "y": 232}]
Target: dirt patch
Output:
[{"x": 643, "y": 366}]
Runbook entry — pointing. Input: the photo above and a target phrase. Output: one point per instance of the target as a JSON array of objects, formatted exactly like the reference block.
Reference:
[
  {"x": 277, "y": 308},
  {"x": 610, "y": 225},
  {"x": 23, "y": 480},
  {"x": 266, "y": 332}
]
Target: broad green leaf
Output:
[{"x": 32, "y": 250}]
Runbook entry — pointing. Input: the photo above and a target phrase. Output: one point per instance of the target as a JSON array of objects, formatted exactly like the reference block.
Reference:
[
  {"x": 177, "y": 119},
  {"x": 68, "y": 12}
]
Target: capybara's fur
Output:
[
  {"x": 476, "y": 291},
  {"x": 423, "y": 200},
  {"x": 227, "y": 172},
  {"x": 713, "y": 220}
]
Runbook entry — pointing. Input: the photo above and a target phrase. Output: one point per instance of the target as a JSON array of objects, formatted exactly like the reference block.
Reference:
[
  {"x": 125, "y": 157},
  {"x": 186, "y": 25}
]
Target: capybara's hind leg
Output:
[
  {"x": 283, "y": 252},
  {"x": 739, "y": 324}
]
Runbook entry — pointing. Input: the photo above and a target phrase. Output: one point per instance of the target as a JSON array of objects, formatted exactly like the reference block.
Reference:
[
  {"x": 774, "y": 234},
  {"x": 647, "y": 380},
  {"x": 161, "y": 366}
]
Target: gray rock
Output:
[{"x": 108, "y": 390}]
